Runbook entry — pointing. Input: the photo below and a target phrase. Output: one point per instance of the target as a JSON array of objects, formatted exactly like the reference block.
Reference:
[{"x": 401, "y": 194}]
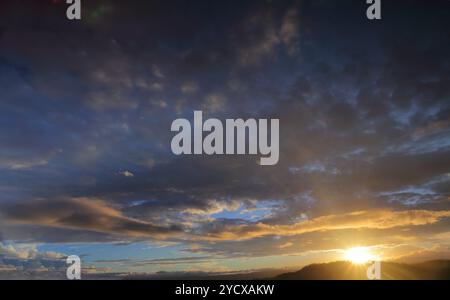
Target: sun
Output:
[{"x": 359, "y": 255}]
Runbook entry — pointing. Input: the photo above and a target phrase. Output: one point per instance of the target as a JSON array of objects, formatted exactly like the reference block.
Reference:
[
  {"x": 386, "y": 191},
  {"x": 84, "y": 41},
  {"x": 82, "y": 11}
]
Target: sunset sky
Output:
[{"x": 86, "y": 108}]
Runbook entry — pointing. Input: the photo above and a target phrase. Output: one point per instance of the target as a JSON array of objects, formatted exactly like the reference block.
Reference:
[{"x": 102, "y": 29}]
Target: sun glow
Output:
[{"x": 359, "y": 255}]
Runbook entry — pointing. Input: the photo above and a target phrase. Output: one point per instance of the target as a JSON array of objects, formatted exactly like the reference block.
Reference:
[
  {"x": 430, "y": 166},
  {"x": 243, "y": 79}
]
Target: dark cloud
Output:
[{"x": 83, "y": 214}]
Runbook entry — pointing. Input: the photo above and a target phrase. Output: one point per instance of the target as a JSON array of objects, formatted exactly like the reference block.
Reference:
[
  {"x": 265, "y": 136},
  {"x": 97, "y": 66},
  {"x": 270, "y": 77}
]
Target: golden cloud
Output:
[{"x": 378, "y": 219}]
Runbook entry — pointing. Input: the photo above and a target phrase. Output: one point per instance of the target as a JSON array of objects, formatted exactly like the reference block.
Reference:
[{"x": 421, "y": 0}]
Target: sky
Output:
[{"x": 86, "y": 107}]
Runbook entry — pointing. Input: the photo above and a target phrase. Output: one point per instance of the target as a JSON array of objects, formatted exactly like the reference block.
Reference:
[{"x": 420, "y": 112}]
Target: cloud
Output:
[
  {"x": 375, "y": 219},
  {"x": 84, "y": 214},
  {"x": 127, "y": 174},
  {"x": 162, "y": 261},
  {"x": 26, "y": 251},
  {"x": 189, "y": 87},
  {"x": 261, "y": 35},
  {"x": 421, "y": 254},
  {"x": 94, "y": 215},
  {"x": 213, "y": 207},
  {"x": 26, "y": 261},
  {"x": 22, "y": 164},
  {"x": 157, "y": 71},
  {"x": 289, "y": 31},
  {"x": 214, "y": 103},
  {"x": 286, "y": 245}
]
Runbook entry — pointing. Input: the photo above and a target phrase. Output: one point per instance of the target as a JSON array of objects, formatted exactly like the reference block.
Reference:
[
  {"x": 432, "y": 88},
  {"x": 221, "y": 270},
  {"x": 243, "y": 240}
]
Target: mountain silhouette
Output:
[{"x": 343, "y": 270}]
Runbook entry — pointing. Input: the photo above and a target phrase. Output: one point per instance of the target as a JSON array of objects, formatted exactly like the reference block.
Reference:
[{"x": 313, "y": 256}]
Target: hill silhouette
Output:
[{"x": 343, "y": 270}]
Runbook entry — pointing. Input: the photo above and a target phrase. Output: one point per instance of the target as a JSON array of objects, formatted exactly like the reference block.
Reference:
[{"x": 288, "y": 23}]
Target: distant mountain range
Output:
[
  {"x": 339, "y": 270},
  {"x": 342, "y": 270}
]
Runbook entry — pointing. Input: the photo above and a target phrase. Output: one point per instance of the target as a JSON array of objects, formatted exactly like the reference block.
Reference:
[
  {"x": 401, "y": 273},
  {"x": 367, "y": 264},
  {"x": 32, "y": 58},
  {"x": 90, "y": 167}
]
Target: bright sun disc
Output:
[{"x": 359, "y": 255}]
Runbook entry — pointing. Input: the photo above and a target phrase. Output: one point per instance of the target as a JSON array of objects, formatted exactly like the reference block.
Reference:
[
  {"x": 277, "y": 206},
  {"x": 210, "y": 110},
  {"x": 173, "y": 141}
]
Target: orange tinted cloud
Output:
[{"x": 378, "y": 219}]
